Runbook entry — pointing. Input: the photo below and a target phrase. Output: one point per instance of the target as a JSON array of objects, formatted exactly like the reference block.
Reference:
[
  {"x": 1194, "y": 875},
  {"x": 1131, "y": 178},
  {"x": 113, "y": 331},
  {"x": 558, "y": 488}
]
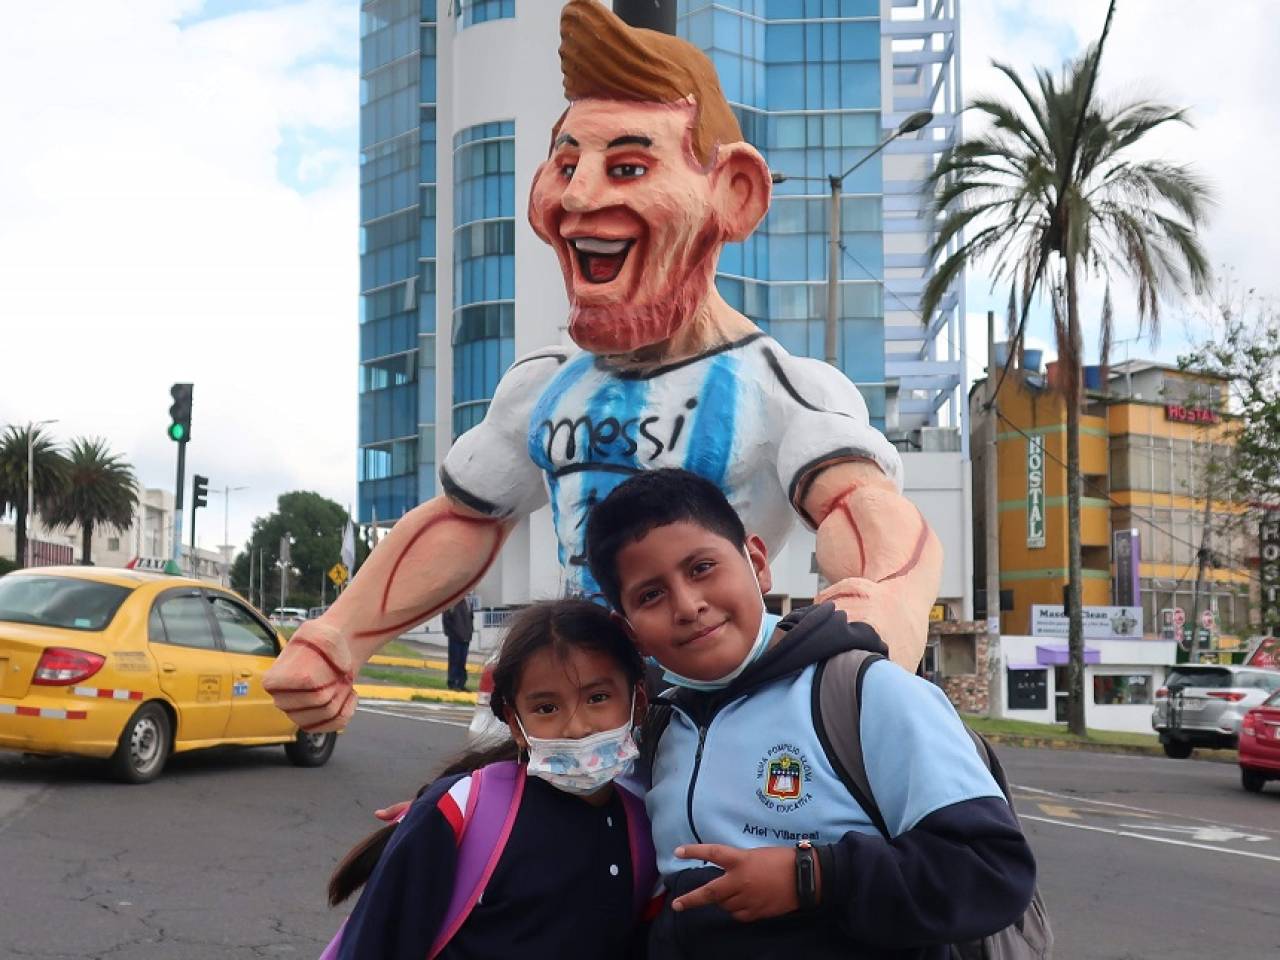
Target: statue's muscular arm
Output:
[
  {"x": 878, "y": 552},
  {"x": 433, "y": 555}
]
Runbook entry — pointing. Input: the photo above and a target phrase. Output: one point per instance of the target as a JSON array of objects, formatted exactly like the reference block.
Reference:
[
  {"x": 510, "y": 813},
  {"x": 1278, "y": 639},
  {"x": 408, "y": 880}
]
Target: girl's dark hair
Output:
[{"x": 562, "y": 625}]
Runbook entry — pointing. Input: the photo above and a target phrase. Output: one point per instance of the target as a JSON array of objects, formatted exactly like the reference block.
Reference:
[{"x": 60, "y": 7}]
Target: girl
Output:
[{"x": 576, "y": 867}]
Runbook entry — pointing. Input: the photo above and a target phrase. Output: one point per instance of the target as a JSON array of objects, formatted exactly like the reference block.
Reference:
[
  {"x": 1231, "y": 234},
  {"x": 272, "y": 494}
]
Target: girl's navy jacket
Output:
[{"x": 562, "y": 887}]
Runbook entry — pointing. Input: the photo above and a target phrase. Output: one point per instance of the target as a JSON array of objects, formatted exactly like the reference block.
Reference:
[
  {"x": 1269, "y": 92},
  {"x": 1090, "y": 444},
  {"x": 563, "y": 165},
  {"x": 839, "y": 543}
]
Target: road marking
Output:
[
  {"x": 366, "y": 708},
  {"x": 1143, "y": 836},
  {"x": 1164, "y": 814},
  {"x": 1207, "y": 834},
  {"x": 1054, "y": 810}
]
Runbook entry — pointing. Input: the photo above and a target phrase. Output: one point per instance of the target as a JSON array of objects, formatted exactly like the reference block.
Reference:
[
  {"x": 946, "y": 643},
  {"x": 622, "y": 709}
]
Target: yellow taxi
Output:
[{"x": 132, "y": 667}]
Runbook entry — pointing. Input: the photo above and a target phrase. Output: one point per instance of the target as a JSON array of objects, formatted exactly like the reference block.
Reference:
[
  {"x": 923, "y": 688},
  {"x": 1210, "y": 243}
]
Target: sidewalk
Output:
[{"x": 1040, "y": 736}]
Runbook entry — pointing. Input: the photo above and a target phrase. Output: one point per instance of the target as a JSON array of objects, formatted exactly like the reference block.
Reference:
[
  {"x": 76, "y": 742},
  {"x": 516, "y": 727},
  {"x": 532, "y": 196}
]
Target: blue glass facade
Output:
[
  {"x": 484, "y": 265},
  {"x": 395, "y": 468},
  {"x": 803, "y": 77}
]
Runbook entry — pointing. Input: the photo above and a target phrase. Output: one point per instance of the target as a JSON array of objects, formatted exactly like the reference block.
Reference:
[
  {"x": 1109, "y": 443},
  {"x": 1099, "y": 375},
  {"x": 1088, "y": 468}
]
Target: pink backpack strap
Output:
[
  {"x": 492, "y": 804},
  {"x": 644, "y": 867}
]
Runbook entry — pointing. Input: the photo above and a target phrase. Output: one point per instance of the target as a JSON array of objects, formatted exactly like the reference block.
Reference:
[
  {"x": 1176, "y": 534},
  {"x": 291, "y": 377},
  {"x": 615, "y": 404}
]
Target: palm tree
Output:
[
  {"x": 101, "y": 491},
  {"x": 48, "y": 472},
  {"x": 1053, "y": 176}
]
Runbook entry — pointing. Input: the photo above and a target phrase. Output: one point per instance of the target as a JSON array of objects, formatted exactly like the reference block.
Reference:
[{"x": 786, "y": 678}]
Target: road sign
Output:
[
  {"x": 338, "y": 574},
  {"x": 1206, "y": 619},
  {"x": 1179, "y": 616}
]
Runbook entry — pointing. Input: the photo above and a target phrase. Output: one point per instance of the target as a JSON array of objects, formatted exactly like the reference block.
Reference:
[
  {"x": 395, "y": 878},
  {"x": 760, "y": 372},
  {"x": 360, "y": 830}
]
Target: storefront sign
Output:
[
  {"x": 1035, "y": 491},
  {"x": 1269, "y": 570},
  {"x": 1100, "y": 623},
  {"x": 1174, "y": 411},
  {"x": 1128, "y": 556},
  {"x": 1266, "y": 654}
]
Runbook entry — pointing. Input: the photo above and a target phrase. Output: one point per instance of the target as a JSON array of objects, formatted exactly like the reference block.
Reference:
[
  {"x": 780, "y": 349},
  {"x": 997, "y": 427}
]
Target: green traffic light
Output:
[{"x": 177, "y": 432}]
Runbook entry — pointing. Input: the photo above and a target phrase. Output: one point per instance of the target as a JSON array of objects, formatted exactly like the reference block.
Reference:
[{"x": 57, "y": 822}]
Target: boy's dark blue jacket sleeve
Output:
[
  {"x": 962, "y": 872},
  {"x": 403, "y": 904}
]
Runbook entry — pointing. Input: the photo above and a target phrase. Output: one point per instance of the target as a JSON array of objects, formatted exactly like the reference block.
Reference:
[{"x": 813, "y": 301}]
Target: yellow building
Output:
[{"x": 1144, "y": 448}]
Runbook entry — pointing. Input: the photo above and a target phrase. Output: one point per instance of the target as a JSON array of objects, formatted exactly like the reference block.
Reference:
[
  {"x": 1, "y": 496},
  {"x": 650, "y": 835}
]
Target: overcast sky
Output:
[{"x": 178, "y": 201}]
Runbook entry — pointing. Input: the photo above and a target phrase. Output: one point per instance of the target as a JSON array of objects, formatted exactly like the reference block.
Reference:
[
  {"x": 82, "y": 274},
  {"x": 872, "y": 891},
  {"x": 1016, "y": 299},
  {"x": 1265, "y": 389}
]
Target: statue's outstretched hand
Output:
[{"x": 312, "y": 680}]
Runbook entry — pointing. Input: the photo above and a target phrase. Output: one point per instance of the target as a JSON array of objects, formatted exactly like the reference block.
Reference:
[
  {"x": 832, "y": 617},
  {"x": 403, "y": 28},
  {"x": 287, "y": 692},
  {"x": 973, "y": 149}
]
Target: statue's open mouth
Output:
[{"x": 601, "y": 260}]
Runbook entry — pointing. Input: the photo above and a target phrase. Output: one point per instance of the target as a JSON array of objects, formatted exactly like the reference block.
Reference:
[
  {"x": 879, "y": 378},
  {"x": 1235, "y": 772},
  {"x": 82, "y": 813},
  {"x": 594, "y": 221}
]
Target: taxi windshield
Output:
[{"x": 63, "y": 602}]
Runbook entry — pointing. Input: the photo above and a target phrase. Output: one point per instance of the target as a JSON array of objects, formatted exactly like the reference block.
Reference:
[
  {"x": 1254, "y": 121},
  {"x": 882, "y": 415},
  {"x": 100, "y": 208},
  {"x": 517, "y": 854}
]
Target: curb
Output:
[
  {"x": 1124, "y": 749},
  {"x": 417, "y": 664},
  {"x": 373, "y": 691}
]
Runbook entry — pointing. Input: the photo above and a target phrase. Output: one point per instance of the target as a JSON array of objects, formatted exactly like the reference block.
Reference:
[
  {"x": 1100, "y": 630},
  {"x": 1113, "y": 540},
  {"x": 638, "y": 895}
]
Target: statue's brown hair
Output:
[{"x": 601, "y": 56}]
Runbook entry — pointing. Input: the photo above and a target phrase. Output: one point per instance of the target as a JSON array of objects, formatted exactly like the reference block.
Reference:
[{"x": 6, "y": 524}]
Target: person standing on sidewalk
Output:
[{"x": 458, "y": 626}]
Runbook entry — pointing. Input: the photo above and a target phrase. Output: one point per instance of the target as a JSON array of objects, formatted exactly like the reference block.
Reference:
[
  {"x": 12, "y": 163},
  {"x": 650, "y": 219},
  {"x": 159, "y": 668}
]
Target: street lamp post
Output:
[
  {"x": 31, "y": 487},
  {"x": 226, "y": 542},
  {"x": 836, "y": 183}
]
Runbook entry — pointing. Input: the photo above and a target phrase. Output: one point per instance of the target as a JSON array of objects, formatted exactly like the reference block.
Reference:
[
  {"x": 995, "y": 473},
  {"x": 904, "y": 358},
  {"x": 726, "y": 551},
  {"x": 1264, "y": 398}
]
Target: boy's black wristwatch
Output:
[{"x": 806, "y": 875}]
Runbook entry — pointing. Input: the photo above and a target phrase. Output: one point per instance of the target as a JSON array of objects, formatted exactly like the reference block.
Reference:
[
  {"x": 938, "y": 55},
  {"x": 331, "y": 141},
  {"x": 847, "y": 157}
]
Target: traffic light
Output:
[
  {"x": 199, "y": 491},
  {"x": 180, "y": 412}
]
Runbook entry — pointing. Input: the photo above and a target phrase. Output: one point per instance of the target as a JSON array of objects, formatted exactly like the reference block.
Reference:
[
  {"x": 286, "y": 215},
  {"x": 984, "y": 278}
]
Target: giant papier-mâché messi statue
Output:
[{"x": 646, "y": 180}]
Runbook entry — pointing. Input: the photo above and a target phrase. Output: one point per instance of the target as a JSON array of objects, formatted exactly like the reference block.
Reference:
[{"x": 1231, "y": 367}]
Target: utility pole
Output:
[
  {"x": 1201, "y": 559},
  {"x": 992, "y": 510},
  {"x": 286, "y": 557},
  {"x": 253, "y": 562}
]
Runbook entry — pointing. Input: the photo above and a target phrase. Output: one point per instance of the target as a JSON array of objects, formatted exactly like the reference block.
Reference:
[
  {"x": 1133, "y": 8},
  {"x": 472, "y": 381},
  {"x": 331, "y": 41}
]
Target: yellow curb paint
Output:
[
  {"x": 373, "y": 691},
  {"x": 1054, "y": 810},
  {"x": 415, "y": 663}
]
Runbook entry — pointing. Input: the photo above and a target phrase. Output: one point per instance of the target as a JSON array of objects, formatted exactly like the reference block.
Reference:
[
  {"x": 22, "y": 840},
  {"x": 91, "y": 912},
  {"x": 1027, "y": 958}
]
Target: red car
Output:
[{"x": 1260, "y": 744}]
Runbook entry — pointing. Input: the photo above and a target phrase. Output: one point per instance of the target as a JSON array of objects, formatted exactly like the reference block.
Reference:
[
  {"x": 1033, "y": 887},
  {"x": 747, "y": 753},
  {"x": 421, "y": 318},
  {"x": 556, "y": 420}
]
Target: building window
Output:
[
  {"x": 1116, "y": 689},
  {"x": 1028, "y": 689},
  {"x": 483, "y": 335},
  {"x": 471, "y": 12},
  {"x": 113, "y": 543}
]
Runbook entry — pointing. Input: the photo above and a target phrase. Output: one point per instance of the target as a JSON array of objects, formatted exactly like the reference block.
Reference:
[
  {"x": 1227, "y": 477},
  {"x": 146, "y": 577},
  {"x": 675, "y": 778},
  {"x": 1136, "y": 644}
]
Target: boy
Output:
[{"x": 763, "y": 849}]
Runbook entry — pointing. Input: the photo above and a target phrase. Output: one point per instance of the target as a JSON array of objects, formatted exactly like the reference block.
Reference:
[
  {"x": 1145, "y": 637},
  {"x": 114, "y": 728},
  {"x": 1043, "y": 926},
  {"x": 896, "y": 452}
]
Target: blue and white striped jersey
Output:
[{"x": 747, "y": 415}]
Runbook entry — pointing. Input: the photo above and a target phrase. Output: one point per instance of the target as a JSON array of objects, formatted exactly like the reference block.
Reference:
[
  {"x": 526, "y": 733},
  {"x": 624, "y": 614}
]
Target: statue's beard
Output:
[{"x": 622, "y": 327}]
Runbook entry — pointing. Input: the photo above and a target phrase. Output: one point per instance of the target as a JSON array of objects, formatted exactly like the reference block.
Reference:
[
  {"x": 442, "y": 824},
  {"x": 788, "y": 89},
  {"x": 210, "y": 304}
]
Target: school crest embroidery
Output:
[{"x": 785, "y": 778}]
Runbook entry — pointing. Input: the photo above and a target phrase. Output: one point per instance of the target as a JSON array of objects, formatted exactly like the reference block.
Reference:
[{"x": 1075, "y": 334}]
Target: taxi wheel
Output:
[
  {"x": 144, "y": 745},
  {"x": 1252, "y": 780},
  {"x": 311, "y": 749}
]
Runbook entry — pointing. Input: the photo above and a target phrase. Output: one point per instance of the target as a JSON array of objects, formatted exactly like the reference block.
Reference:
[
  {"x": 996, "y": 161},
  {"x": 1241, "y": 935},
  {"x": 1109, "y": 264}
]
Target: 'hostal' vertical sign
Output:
[{"x": 1035, "y": 491}]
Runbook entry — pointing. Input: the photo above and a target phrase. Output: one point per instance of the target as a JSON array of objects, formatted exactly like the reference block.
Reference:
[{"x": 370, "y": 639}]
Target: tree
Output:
[
  {"x": 101, "y": 491},
  {"x": 48, "y": 471},
  {"x": 315, "y": 523},
  {"x": 1238, "y": 340},
  {"x": 1052, "y": 177}
]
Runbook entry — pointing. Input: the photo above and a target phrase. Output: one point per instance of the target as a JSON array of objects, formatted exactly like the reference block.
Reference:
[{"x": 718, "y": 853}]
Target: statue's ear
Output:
[{"x": 741, "y": 186}]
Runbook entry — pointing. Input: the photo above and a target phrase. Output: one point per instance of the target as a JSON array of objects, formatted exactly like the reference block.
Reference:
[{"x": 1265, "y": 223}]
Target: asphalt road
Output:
[{"x": 228, "y": 853}]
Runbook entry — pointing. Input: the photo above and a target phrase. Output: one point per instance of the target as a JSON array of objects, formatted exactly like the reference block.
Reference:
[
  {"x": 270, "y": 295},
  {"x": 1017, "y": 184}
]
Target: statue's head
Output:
[{"x": 647, "y": 178}]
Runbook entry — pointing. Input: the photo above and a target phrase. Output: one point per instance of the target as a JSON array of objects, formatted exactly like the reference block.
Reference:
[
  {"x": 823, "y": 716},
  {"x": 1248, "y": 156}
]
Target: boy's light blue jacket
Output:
[{"x": 746, "y": 767}]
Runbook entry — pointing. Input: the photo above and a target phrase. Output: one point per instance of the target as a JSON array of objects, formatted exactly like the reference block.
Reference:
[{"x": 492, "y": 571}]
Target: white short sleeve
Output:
[
  {"x": 488, "y": 468},
  {"x": 824, "y": 421}
]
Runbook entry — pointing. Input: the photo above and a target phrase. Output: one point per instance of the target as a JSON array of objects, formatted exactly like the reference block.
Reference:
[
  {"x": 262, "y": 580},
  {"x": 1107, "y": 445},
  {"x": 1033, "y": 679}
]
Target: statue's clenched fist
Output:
[{"x": 312, "y": 680}]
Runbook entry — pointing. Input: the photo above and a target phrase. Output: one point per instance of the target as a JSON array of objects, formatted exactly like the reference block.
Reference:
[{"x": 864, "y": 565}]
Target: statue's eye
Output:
[
  {"x": 628, "y": 171},
  {"x": 567, "y": 170}
]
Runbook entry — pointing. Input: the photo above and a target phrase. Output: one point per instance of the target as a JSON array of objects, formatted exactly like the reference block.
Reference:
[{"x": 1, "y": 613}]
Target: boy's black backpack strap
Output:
[
  {"x": 653, "y": 726},
  {"x": 837, "y": 718},
  {"x": 837, "y": 714}
]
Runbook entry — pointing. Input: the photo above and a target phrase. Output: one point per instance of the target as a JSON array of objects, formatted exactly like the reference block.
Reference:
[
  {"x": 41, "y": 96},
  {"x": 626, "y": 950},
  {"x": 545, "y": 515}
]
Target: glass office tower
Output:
[{"x": 816, "y": 85}]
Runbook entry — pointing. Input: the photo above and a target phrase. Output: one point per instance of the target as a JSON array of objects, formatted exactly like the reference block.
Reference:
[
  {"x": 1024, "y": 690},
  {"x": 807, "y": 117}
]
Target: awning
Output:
[{"x": 1056, "y": 655}]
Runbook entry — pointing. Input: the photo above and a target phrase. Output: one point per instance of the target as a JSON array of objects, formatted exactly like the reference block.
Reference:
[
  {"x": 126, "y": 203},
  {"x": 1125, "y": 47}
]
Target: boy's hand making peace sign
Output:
[{"x": 756, "y": 884}]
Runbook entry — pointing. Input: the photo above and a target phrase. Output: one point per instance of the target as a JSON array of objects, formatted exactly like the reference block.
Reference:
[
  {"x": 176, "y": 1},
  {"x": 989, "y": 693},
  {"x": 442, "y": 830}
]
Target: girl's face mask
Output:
[{"x": 581, "y": 767}]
